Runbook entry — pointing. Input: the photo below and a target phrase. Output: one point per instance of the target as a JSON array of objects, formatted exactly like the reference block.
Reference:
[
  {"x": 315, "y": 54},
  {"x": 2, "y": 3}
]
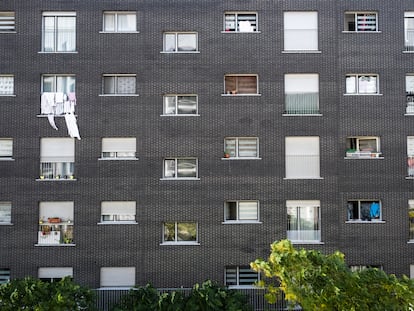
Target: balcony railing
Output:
[
  {"x": 54, "y": 233},
  {"x": 57, "y": 170},
  {"x": 409, "y": 40},
  {"x": 305, "y": 103},
  {"x": 304, "y": 235},
  {"x": 302, "y": 166}
]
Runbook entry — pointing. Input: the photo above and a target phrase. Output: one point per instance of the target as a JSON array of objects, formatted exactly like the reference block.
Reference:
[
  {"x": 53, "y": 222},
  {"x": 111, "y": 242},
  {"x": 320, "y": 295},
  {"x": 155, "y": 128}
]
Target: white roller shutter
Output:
[
  {"x": 61, "y": 209},
  {"x": 57, "y": 150},
  {"x": 117, "y": 277},
  {"x": 301, "y": 31},
  {"x": 55, "y": 272},
  {"x": 119, "y": 144},
  {"x": 118, "y": 208},
  {"x": 302, "y": 157}
]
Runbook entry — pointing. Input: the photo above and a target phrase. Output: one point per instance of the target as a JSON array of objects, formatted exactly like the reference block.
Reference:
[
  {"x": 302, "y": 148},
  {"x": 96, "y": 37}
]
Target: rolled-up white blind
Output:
[
  {"x": 57, "y": 150},
  {"x": 55, "y": 272},
  {"x": 118, "y": 276},
  {"x": 118, "y": 207},
  {"x": 119, "y": 144}
]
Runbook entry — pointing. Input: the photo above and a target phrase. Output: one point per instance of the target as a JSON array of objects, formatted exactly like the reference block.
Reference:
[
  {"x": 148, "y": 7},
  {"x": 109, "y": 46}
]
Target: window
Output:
[
  {"x": 119, "y": 84},
  {"x": 361, "y": 21},
  {"x": 55, "y": 223},
  {"x": 54, "y": 274},
  {"x": 117, "y": 276},
  {"x": 4, "y": 275},
  {"x": 409, "y": 93},
  {"x": 240, "y": 147},
  {"x": 180, "y": 168},
  {"x": 361, "y": 84},
  {"x": 240, "y": 276},
  {"x": 410, "y": 156},
  {"x": 303, "y": 221},
  {"x": 241, "y": 211},
  {"x": 119, "y": 148},
  {"x": 58, "y": 94},
  {"x": 301, "y": 31},
  {"x": 240, "y": 84},
  {"x": 364, "y": 210},
  {"x": 180, "y": 104},
  {"x": 7, "y": 22},
  {"x": 409, "y": 31},
  {"x": 180, "y": 233},
  {"x": 6, "y": 148},
  {"x": 118, "y": 211},
  {"x": 363, "y": 147},
  {"x": 240, "y": 22},
  {"x": 302, "y": 157},
  {"x": 180, "y": 42},
  {"x": 57, "y": 158},
  {"x": 411, "y": 219},
  {"x": 302, "y": 93},
  {"x": 59, "y": 32},
  {"x": 5, "y": 213},
  {"x": 119, "y": 22},
  {"x": 6, "y": 85},
  {"x": 359, "y": 268}
]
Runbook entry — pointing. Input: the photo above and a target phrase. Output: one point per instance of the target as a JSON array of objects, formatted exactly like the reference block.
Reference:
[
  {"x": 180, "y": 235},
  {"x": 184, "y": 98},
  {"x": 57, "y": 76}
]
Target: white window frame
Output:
[
  {"x": 117, "y": 277},
  {"x": 169, "y": 111},
  {"x": 363, "y": 218},
  {"x": 354, "y": 87},
  {"x": 409, "y": 31},
  {"x": 301, "y": 163},
  {"x": 236, "y": 207},
  {"x": 54, "y": 274},
  {"x": 176, "y": 240},
  {"x": 116, "y": 15},
  {"x": 176, "y": 169},
  {"x": 118, "y": 148},
  {"x": 5, "y": 213},
  {"x": 301, "y": 207},
  {"x": 176, "y": 47},
  {"x": 238, "y": 272},
  {"x": 7, "y": 22},
  {"x": 6, "y": 85},
  {"x": 229, "y": 91},
  {"x": 119, "y": 212},
  {"x": 241, "y": 25},
  {"x": 301, "y": 31},
  {"x": 354, "y": 16},
  {"x": 363, "y": 153},
  {"x": 57, "y": 158},
  {"x": 236, "y": 154},
  {"x": 115, "y": 78},
  {"x": 4, "y": 275},
  {"x": 55, "y": 36},
  {"x": 6, "y": 149}
]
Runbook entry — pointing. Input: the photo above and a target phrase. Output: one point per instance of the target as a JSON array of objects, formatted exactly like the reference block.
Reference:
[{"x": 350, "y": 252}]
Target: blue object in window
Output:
[{"x": 375, "y": 210}]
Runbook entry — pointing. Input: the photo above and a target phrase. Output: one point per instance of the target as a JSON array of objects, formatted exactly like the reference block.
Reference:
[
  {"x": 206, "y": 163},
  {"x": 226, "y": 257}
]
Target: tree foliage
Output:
[
  {"x": 36, "y": 295},
  {"x": 324, "y": 282}
]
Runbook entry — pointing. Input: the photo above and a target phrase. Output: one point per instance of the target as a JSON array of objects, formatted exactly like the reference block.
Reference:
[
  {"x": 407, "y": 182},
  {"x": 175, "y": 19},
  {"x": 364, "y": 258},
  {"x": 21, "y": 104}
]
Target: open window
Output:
[
  {"x": 360, "y": 21},
  {"x": 121, "y": 212},
  {"x": 180, "y": 233},
  {"x": 241, "y": 211},
  {"x": 363, "y": 147},
  {"x": 240, "y": 22},
  {"x": 303, "y": 221},
  {"x": 364, "y": 210},
  {"x": 240, "y": 277}
]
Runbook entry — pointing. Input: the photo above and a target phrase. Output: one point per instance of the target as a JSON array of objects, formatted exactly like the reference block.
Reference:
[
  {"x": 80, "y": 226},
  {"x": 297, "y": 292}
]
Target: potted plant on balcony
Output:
[{"x": 227, "y": 153}]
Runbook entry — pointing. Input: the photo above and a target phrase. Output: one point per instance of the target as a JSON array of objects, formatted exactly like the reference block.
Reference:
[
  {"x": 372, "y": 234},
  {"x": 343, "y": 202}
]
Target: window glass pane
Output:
[
  {"x": 230, "y": 84},
  {"x": 169, "y": 231},
  {"x": 7, "y": 21},
  {"x": 248, "y": 210},
  {"x": 230, "y": 147},
  {"x": 169, "y": 42},
  {"x": 187, "y": 42},
  {"x": 246, "y": 22},
  {"x": 350, "y": 84},
  {"x": 231, "y": 276},
  {"x": 247, "y": 147},
  {"x": 230, "y": 22},
  {"x": 6, "y": 147},
  {"x": 49, "y": 84},
  {"x": 109, "y": 22},
  {"x": 292, "y": 214},
  {"x": 126, "y": 85},
  {"x": 368, "y": 145},
  {"x": 4, "y": 275},
  {"x": 367, "y": 84},
  {"x": 309, "y": 218},
  {"x": 187, "y": 104},
  {"x": 6, "y": 85},
  {"x": 247, "y": 276},
  {"x": 65, "y": 84},
  {"x": 247, "y": 85},
  {"x": 126, "y": 22},
  {"x": 48, "y": 33},
  {"x": 409, "y": 84},
  {"x": 5, "y": 212},
  {"x": 366, "y": 22},
  {"x": 231, "y": 211},
  {"x": 66, "y": 33},
  {"x": 109, "y": 85},
  {"x": 170, "y": 104},
  {"x": 187, "y": 168},
  {"x": 187, "y": 231},
  {"x": 169, "y": 168}
]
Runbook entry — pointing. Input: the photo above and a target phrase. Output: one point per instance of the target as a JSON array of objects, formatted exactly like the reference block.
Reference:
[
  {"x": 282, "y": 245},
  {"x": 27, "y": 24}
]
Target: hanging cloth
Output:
[
  {"x": 73, "y": 130},
  {"x": 51, "y": 119}
]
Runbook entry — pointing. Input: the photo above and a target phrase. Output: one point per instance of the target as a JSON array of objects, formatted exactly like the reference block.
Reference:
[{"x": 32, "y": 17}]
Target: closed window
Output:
[
  {"x": 303, "y": 221},
  {"x": 361, "y": 21},
  {"x": 300, "y": 31},
  {"x": 59, "y": 32},
  {"x": 361, "y": 84},
  {"x": 411, "y": 219},
  {"x": 180, "y": 168},
  {"x": 301, "y": 94},
  {"x": 241, "y": 147},
  {"x": 241, "y": 211},
  {"x": 180, "y": 104},
  {"x": 56, "y": 223},
  {"x": 4, "y": 275},
  {"x": 240, "y": 22},
  {"x": 409, "y": 93},
  {"x": 115, "y": 148},
  {"x": 54, "y": 274},
  {"x": 302, "y": 157},
  {"x": 57, "y": 158},
  {"x": 7, "y": 22},
  {"x": 119, "y": 84},
  {"x": 117, "y": 277},
  {"x": 364, "y": 210},
  {"x": 409, "y": 31},
  {"x": 363, "y": 147},
  {"x": 180, "y": 232},
  {"x": 6, "y": 148},
  {"x": 5, "y": 213},
  {"x": 6, "y": 85},
  {"x": 241, "y": 276},
  {"x": 410, "y": 156},
  {"x": 180, "y": 42},
  {"x": 120, "y": 21},
  {"x": 118, "y": 211},
  {"x": 241, "y": 84}
]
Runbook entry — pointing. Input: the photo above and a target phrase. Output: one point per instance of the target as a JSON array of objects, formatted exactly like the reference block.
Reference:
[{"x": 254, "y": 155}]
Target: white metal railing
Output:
[
  {"x": 409, "y": 40},
  {"x": 57, "y": 170},
  {"x": 302, "y": 103}
]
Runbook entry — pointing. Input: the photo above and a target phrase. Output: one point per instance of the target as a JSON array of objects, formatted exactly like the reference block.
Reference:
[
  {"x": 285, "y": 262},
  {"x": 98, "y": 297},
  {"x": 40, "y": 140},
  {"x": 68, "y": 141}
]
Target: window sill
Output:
[
  {"x": 301, "y": 52},
  {"x": 410, "y": 242},
  {"x": 180, "y": 243},
  {"x": 11, "y": 31},
  {"x": 239, "y": 95},
  {"x": 118, "y": 95},
  {"x": 408, "y": 52},
  {"x": 181, "y": 52},
  {"x": 302, "y": 115},
  {"x": 409, "y": 177},
  {"x": 118, "y": 32},
  {"x": 307, "y": 242},
  {"x": 6, "y": 224},
  {"x": 224, "y": 31},
  {"x": 364, "y": 158},
  {"x": 294, "y": 178},
  {"x": 408, "y": 114},
  {"x": 240, "y": 222},
  {"x": 237, "y": 158},
  {"x": 362, "y": 94},
  {"x": 53, "y": 52},
  {"x": 117, "y": 223},
  {"x": 7, "y": 159},
  {"x": 51, "y": 179},
  {"x": 7, "y": 95},
  {"x": 54, "y": 115},
  {"x": 48, "y": 245},
  {"x": 115, "y": 288},
  {"x": 372, "y": 221},
  {"x": 181, "y": 178},
  {"x": 118, "y": 159},
  {"x": 180, "y": 115},
  {"x": 244, "y": 287},
  {"x": 374, "y": 31}
]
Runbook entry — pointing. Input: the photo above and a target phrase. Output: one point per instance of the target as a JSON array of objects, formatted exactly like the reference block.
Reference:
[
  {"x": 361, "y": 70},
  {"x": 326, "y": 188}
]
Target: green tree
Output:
[
  {"x": 33, "y": 294},
  {"x": 324, "y": 282}
]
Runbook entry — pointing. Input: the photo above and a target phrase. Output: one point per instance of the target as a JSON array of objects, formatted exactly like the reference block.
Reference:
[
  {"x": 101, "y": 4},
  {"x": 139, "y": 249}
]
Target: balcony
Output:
[
  {"x": 302, "y": 103},
  {"x": 409, "y": 40},
  {"x": 56, "y": 170},
  {"x": 55, "y": 231},
  {"x": 410, "y": 103},
  {"x": 304, "y": 235}
]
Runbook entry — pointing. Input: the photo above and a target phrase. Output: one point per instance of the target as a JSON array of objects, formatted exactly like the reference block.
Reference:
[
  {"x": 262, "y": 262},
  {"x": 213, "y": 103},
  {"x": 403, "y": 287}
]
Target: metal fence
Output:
[{"x": 107, "y": 298}]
